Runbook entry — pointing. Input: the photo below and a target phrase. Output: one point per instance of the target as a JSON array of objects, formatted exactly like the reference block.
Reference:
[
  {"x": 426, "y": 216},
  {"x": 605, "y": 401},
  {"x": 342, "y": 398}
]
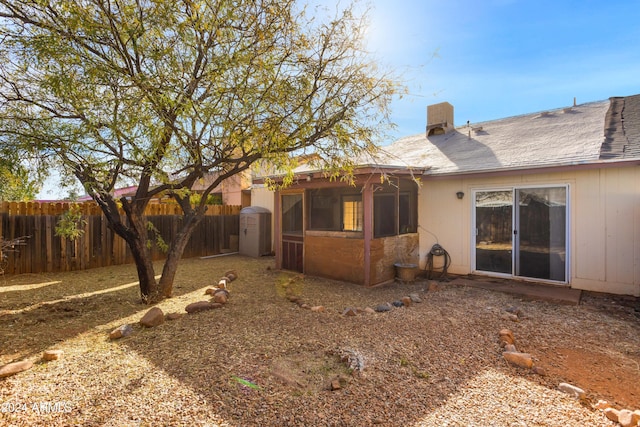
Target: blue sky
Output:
[{"x": 498, "y": 58}]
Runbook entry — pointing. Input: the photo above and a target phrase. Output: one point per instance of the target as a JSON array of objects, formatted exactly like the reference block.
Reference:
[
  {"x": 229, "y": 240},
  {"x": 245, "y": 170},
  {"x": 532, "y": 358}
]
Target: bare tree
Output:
[{"x": 160, "y": 93}]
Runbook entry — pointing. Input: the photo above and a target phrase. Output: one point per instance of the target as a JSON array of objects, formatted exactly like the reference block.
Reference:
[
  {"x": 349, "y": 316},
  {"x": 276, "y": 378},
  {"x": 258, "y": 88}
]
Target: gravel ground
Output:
[{"x": 263, "y": 360}]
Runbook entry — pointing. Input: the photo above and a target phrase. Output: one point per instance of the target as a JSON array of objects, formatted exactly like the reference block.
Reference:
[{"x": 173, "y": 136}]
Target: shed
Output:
[{"x": 255, "y": 231}]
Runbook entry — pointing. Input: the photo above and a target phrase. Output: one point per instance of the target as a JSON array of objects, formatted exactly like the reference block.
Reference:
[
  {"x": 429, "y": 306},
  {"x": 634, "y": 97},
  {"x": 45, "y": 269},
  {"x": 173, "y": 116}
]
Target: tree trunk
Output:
[
  {"x": 149, "y": 289},
  {"x": 136, "y": 237},
  {"x": 175, "y": 253}
]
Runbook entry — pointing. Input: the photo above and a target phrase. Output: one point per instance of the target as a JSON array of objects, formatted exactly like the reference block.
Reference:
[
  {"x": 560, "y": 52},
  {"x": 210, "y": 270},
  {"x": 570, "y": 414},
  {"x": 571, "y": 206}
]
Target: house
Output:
[
  {"x": 551, "y": 196},
  {"x": 234, "y": 190}
]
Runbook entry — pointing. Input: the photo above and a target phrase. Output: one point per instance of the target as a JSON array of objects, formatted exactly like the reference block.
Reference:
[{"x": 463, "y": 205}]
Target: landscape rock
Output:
[
  {"x": 433, "y": 286},
  {"x": 415, "y": 298},
  {"x": 210, "y": 291},
  {"x": 350, "y": 311},
  {"x": 121, "y": 331},
  {"x": 509, "y": 316},
  {"x": 397, "y": 303},
  {"x": 510, "y": 348},
  {"x": 50, "y": 355},
  {"x": 538, "y": 370},
  {"x": 602, "y": 405},
  {"x": 571, "y": 389},
  {"x": 627, "y": 418},
  {"x": 231, "y": 275},
  {"x": 612, "y": 414},
  {"x": 383, "y": 308},
  {"x": 506, "y": 337},
  {"x": 318, "y": 309},
  {"x": 369, "y": 310},
  {"x": 222, "y": 283},
  {"x": 406, "y": 301},
  {"x": 220, "y": 297},
  {"x": 335, "y": 384},
  {"x": 522, "y": 360},
  {"x": 173, "y": 316},
  {"x": 14, "y": 368},
  {"x": 152, "y": 318},
  {"x": 198, "y": 306}
]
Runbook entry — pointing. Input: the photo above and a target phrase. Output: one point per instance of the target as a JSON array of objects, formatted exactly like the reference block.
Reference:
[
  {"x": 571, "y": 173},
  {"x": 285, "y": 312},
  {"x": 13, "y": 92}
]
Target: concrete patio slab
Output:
[{"x": 527, "y": 290}]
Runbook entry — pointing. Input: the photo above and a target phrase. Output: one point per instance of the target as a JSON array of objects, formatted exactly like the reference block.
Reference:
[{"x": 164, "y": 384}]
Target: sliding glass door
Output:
[
  {"x": 522, "y": 232},
  {"x": 541, "y": 233}
]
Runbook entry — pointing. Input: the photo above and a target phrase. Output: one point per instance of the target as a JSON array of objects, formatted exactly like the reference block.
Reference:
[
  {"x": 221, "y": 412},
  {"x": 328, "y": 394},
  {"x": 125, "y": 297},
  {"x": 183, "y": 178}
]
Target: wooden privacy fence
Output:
[
  {"x": 92, "y": 208},
  {"x": 99, "y": 246}
]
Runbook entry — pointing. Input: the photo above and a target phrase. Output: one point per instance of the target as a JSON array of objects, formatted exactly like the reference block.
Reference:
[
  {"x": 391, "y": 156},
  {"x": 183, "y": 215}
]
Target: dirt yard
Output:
[{"x": 263, "y": 360}]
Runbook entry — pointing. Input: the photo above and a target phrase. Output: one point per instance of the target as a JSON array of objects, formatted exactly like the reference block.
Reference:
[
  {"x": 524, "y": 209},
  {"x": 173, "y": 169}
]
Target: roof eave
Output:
[
  {"x": 365, "y": 169},
  {"x": 528, "y": 170}
]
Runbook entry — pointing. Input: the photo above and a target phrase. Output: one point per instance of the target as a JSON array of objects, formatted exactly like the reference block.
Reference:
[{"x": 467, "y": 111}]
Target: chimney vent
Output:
[{"x": 439, "y": 119}]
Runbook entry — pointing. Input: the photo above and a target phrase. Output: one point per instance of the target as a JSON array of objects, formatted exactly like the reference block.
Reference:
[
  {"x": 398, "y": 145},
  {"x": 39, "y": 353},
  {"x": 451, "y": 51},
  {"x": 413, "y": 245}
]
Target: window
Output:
[
  {"x": 292, "y": 214},
  {"x": 407, "y": 213},
  {"x": 352, "y": 213},
  {"x": 335, "y": 209},
  {"x": 395, "y": 210},
  {"x": 384, "y": 214}
]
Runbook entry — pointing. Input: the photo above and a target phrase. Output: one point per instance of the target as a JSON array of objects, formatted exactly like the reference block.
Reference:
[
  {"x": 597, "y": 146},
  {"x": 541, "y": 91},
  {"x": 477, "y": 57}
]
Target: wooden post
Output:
[{"x": 367, "y": 205}]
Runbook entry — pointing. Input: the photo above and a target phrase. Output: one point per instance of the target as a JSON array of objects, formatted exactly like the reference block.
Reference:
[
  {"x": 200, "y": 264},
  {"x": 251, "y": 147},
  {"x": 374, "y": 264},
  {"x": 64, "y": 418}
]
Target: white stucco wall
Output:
[{"x": 604, "y": 223}]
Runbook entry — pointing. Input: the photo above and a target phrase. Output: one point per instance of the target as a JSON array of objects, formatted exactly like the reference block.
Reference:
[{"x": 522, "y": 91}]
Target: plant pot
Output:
[{"x": 406, "y": 272}]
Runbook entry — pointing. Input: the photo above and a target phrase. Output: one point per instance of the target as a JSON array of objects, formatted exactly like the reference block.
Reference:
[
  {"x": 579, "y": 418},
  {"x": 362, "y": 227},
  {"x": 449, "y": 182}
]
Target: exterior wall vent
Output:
[{"x": 439, "y": 119}]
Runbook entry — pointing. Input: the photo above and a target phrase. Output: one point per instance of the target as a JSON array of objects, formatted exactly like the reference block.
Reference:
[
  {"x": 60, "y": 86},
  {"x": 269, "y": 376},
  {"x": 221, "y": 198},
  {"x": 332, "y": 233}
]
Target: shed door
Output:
[{"x": 292, "y": 232}]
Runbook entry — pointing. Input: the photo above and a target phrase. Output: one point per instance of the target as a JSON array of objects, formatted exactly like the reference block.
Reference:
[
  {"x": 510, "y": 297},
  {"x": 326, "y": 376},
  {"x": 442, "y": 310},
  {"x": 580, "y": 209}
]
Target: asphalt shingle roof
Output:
[{"x": 587, "y": 133}]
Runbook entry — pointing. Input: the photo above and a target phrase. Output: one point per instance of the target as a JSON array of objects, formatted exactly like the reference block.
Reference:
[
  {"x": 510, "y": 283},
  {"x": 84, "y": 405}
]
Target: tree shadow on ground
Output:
[
  {"x": 34, "y": 318},
  {"x": 264, "y": 360}
]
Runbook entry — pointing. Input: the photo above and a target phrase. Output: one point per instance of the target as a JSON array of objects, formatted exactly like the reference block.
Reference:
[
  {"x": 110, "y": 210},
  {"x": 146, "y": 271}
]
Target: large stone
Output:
[
  {"x": 522, "y": 360},
  {"x": 15, "y": 367},
  {"x": 571, "y": 389},
  {"x": 221, "y": 296},
  {"x": 510, "y": 348},
  {"x": 602, "y": 405},
  {"x": 406, "y": 301},
  {"x": 173, "y": 316},
  {"x": 152, "y": 318},
  {"x": 538, "y": 370},
  {"x": 506, "y": 337},
  {"x": 628, "y": 418},
  {"x": 121, "y": 331},
  {"x": 349, "y": 311},
  {"x": 49, "y": 355},
  {"x": 198, "y": 306},
  {"x": 383, "y": 307},
  {"x": 318, "y": 308},
  {"x": 231, "y": 275},
  {"x": 369, "y": 310},
  {"x": 612, "y": 414},
  {"x": 223, "y": 283},
  {"x": 415, "y": 298}
]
